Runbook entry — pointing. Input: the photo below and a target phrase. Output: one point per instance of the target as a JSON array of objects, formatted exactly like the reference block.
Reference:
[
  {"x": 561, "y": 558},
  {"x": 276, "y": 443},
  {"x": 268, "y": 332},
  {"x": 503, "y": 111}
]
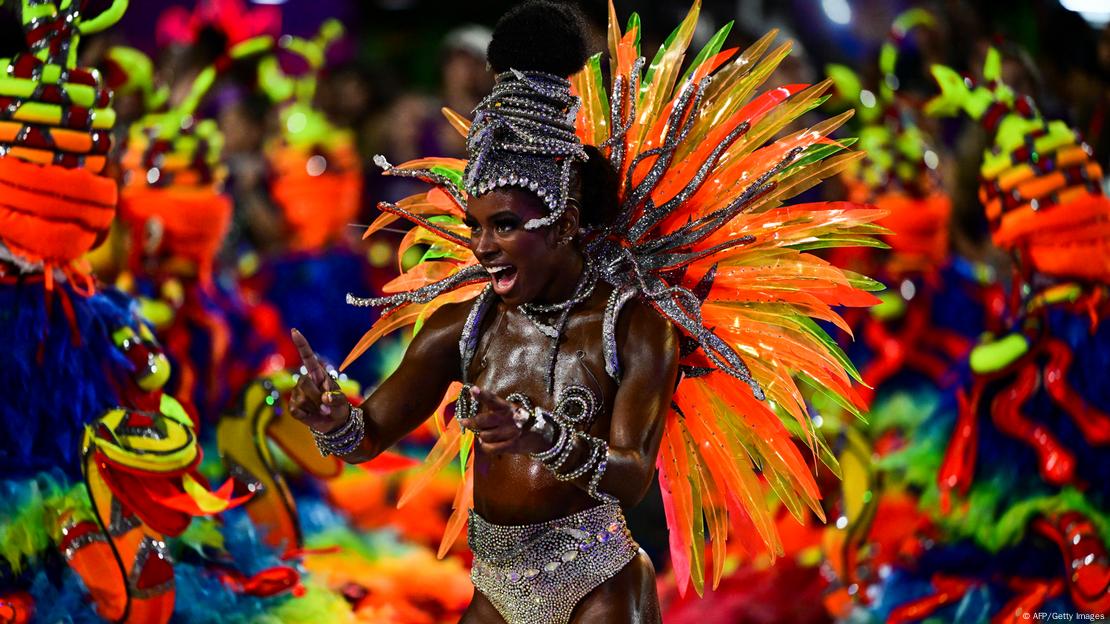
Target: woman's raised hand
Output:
[
  {"x": 498, "y": 425},
  {"x": 316, "y": 400}
]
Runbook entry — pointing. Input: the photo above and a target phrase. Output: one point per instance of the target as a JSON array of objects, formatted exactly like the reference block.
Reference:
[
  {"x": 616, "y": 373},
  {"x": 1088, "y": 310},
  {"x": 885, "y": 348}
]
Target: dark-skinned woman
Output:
[{"x": 590, "y": 294}]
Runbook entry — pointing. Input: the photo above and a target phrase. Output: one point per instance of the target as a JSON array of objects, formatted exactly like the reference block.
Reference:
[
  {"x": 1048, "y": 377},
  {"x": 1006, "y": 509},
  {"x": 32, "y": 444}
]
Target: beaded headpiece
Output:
[{"x": 523, "y": 136}]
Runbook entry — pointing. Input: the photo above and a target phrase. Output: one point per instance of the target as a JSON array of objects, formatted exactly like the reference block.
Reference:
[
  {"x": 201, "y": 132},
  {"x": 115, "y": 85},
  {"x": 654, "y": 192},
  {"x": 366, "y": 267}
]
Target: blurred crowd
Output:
[{"x": 401, "y": 61}]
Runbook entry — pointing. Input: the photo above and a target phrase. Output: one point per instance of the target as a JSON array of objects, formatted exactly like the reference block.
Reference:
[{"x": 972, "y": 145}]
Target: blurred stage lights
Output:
[
  {"x": 838, "y": 11},
  {"x": 1096, "y": 12}
]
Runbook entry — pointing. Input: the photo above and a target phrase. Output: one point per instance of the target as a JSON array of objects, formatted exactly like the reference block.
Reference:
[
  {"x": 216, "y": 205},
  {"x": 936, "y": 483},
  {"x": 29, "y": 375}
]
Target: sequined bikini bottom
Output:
[{"x": 537, "y": 573}]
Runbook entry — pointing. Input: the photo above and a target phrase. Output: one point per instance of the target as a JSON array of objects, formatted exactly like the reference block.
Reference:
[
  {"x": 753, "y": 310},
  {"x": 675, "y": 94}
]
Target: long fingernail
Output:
[
  {"x": 325, "y": 410},
  {"x": 475, "y": 391}
]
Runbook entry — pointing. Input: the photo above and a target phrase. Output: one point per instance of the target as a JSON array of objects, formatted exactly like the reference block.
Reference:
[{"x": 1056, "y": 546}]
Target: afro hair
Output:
[{"x": 539, "y": 35}]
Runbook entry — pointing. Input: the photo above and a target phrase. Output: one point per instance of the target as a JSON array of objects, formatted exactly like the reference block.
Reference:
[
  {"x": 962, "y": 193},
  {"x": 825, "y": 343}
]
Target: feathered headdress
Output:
[{"x": 704, "y": 236}]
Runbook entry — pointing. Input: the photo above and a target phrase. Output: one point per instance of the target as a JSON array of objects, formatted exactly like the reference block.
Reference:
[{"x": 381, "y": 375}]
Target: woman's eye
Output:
[{"x": 505, "y": 227}]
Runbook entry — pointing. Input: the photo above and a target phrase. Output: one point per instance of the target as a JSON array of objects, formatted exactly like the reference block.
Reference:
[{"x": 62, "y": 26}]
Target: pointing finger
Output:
[{"x": 308, "y": 357}]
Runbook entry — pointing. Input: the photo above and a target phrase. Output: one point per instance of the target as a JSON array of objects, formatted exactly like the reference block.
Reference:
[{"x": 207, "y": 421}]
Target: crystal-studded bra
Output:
[
  {"x": 468, "y": 341},
  {"x": 538, "y": 573}
]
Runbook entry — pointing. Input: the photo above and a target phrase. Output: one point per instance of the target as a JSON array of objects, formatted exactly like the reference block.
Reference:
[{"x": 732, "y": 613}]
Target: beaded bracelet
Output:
[
  {"x": 599, "y": 472},
  {"x": 344, "y": 440}
]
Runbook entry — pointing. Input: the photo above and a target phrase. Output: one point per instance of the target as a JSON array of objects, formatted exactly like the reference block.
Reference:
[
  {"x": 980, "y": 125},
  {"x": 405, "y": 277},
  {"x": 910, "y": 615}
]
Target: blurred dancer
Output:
[
  {"x": 1016, "y": 476},
  {"x": 99, "y": 464},
  {"x": 315, "y": 182},
  {"x": 177, "y": 216}
]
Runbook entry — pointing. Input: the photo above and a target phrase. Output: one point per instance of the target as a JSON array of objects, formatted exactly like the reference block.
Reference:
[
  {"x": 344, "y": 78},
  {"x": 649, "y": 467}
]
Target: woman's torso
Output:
[{"x": 513, "y": 356}]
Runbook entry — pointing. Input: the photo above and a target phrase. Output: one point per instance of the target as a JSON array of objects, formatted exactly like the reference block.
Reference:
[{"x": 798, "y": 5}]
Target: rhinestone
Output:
[{"x": 530, "y": 550}]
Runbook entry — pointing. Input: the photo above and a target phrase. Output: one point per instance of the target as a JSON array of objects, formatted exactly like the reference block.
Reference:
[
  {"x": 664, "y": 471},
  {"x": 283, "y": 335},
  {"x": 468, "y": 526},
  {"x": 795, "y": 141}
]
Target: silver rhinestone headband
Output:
[{"x": 523, "y": 137}]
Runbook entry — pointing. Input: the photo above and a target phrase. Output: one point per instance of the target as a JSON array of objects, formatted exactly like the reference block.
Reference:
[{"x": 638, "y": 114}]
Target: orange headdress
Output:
[
  {"x": 1040, "y": 186},
  {"x": 317, "y": 175},
  {"x": 54, "y": 135},
  {"x": 170, "y": 196}
]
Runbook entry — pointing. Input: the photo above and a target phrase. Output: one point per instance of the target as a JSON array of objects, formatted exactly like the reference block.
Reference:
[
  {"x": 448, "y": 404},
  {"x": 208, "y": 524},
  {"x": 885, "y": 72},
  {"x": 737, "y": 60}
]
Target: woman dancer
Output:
[{"x": 585, "y": 260}]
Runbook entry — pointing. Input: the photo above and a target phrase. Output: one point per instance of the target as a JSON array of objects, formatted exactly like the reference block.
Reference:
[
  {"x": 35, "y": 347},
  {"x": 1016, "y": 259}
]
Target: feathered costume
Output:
[
  {"x": 703, "y": 235},
  {"x": 172, "y": 204},
  {"x": 1016, "y": 470},
  {"x": 99, "y": 464},
  {"x": 316, "y": 184}
]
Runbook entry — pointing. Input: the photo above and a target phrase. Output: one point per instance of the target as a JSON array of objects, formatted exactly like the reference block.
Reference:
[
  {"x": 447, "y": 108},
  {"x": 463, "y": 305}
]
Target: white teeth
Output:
[{"x": 497, "y": 269}]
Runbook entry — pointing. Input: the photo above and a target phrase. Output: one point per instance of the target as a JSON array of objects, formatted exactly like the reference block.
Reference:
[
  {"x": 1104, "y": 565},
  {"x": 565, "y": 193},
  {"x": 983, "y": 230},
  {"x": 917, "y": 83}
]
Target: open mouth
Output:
[{"x": 503, "y": 276}]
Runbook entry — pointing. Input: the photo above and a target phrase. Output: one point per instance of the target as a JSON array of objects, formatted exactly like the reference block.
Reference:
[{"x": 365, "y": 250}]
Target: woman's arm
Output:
[
  {"x": 648, "y": 350},
  {"x": 402, "y": 402}
]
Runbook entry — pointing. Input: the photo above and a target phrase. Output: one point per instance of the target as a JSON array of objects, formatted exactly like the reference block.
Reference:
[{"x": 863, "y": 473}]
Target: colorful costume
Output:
[
  {"x": 99, "y": 464},
  {"x": 172, "y": 203},
  {"x": 908, "y": 347},
  {"x": 1017, "y": 468},
  {"x": 702, "y": 236}
]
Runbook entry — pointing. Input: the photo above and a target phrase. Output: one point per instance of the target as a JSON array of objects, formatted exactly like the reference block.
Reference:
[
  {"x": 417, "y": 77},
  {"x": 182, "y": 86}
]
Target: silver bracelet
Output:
[
  {"x": 599, "y": 472},
  {"x": 344, "y": 440}
]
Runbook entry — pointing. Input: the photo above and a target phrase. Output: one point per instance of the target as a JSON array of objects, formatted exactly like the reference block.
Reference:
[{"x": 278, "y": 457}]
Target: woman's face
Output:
[{"x": 522, "y": 263}]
